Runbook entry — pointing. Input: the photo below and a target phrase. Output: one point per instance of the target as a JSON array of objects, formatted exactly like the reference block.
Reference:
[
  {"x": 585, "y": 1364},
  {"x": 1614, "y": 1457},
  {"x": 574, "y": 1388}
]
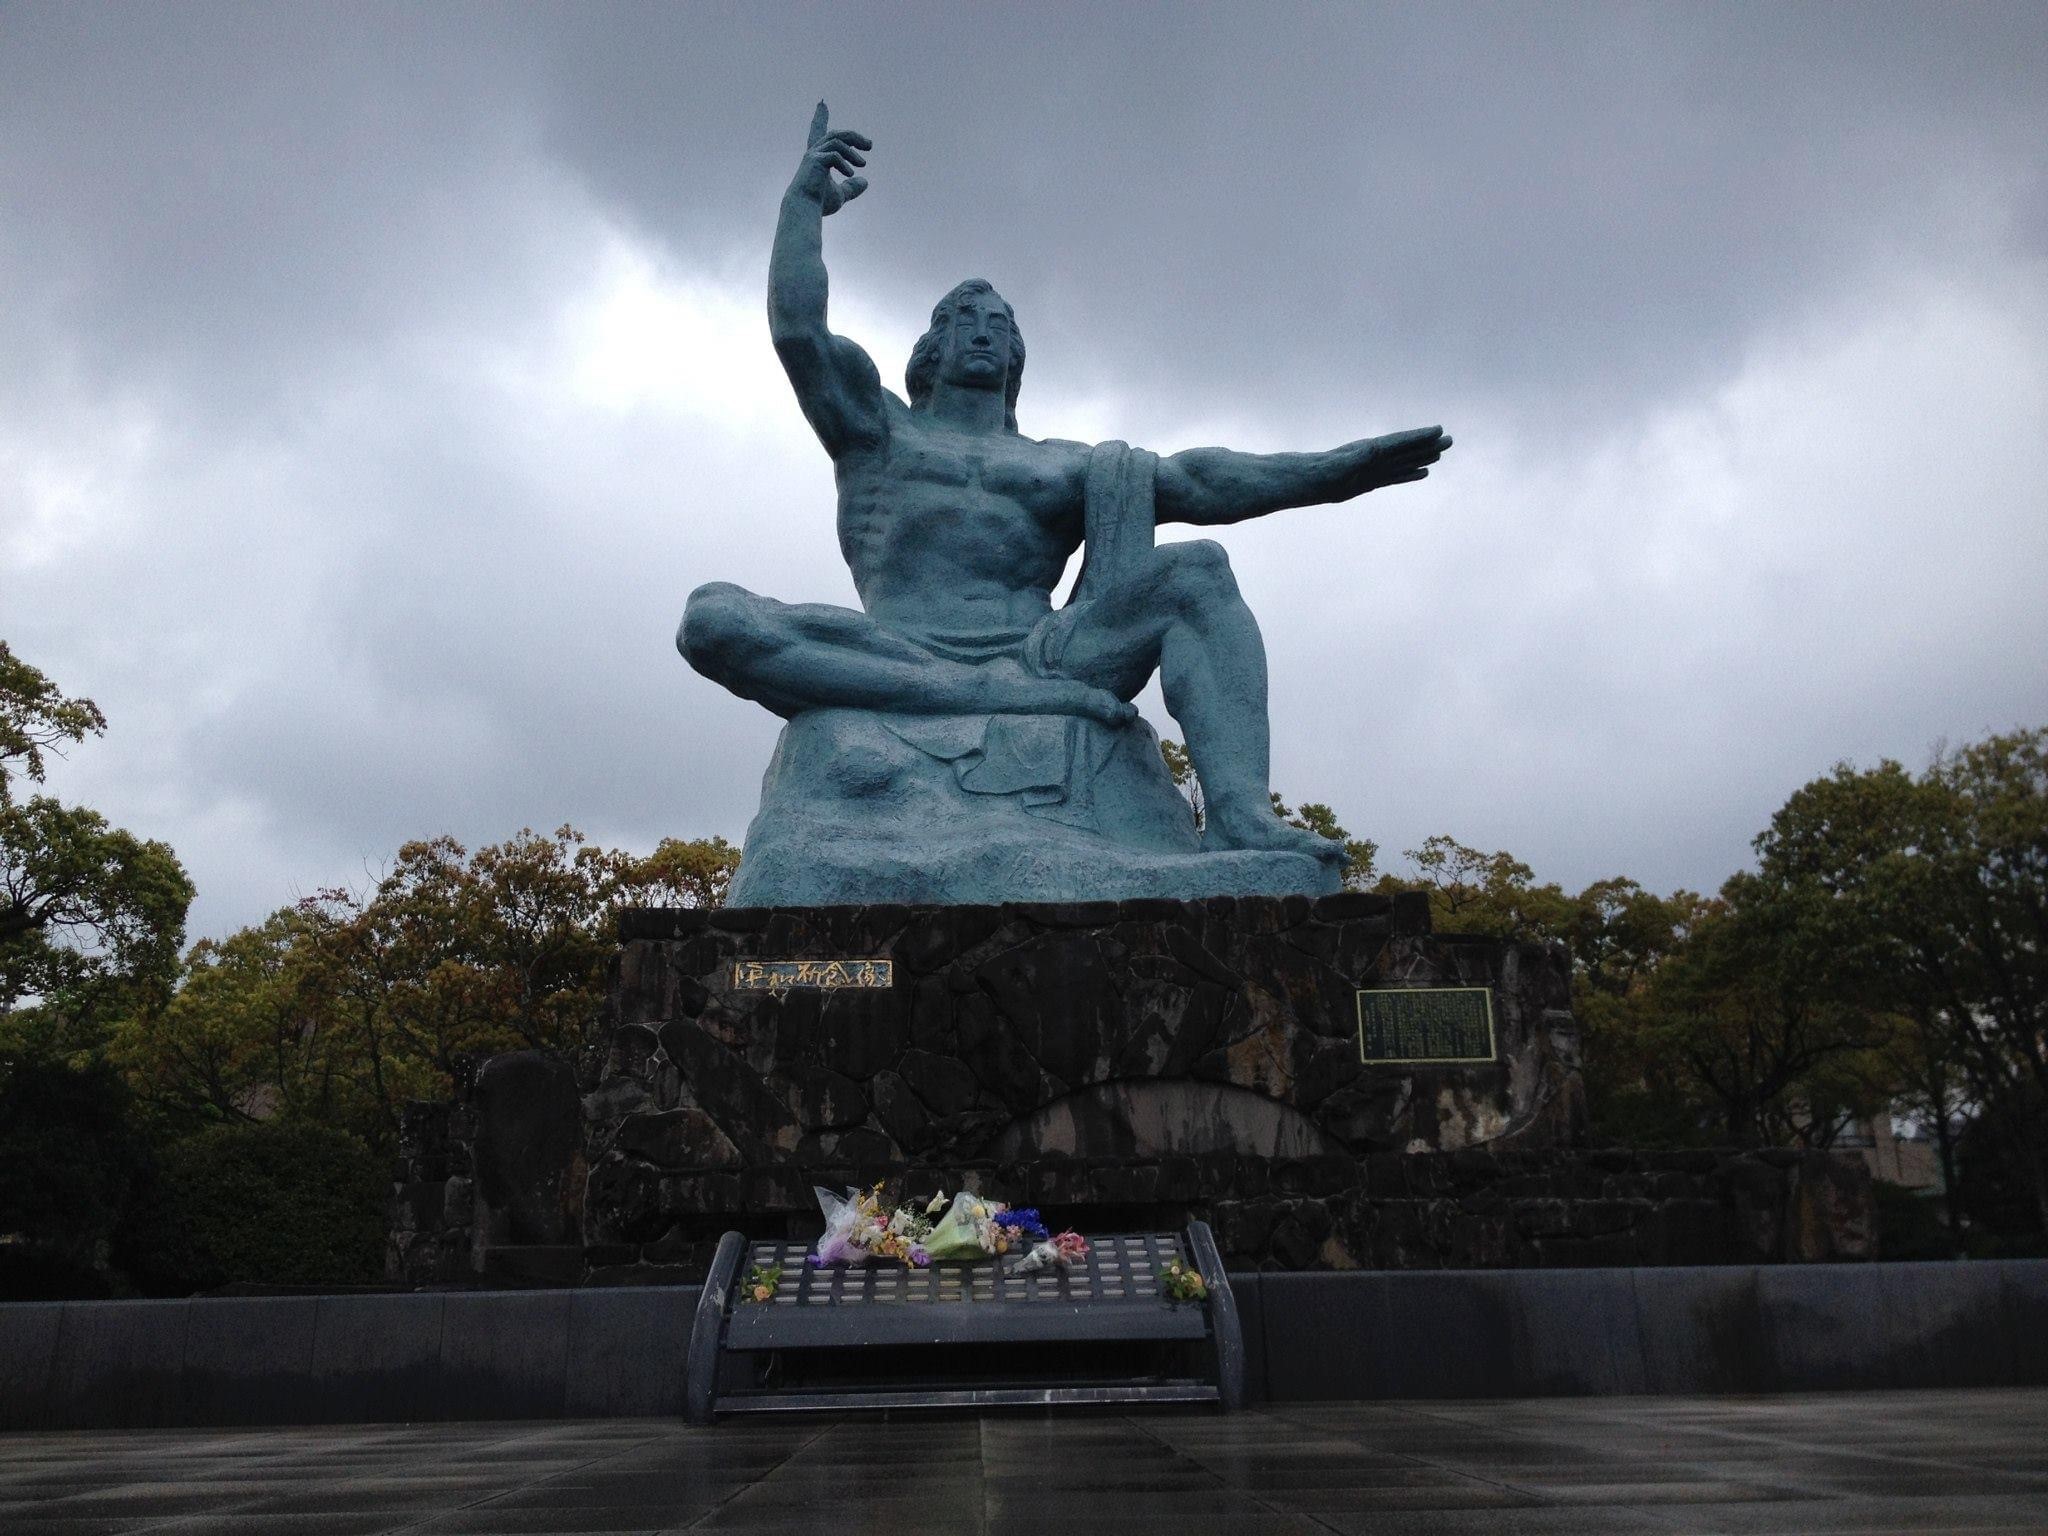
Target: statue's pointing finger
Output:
[{"x": 820, "y": 132}]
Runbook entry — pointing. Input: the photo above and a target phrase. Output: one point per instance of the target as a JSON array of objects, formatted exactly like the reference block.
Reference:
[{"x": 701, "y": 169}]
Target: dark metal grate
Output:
[
  {"x": 825, "y": 1323},
  {"x": 1123, "y": 1268}
]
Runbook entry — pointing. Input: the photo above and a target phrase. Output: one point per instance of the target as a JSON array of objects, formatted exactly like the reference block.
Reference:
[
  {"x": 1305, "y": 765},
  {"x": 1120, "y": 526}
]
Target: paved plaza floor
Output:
[{"x": 1907, "y": 1461}]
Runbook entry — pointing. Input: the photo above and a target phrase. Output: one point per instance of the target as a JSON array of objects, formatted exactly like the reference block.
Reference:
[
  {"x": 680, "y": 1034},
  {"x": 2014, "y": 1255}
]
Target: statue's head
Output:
[{"x": 973, "y": 343}]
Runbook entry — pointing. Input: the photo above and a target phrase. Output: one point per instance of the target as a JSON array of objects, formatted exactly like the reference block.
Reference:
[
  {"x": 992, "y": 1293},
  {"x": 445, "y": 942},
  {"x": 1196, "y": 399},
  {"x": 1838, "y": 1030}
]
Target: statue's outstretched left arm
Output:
[{"x": 1220, "y": 485}]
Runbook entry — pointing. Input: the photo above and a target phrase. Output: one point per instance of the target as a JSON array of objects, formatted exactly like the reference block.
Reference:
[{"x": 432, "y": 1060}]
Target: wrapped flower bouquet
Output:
[{"x": 861, "y": 1229}]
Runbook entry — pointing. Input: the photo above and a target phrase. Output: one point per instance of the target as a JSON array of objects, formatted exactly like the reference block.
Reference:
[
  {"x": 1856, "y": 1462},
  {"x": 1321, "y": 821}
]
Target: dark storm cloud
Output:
[
  {"x": 254, "y": 192},
  {"x": 1384, "y": 201},
  {"x": 1387, "y": 199},
  {"x": 306, "y": 468}
]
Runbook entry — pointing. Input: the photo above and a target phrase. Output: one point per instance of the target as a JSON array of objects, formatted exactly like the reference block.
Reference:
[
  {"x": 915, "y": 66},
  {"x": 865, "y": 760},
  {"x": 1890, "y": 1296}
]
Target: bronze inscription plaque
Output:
[
  {"x": 1416, "y": 1025},
  {"x": 823, "y": 975}
]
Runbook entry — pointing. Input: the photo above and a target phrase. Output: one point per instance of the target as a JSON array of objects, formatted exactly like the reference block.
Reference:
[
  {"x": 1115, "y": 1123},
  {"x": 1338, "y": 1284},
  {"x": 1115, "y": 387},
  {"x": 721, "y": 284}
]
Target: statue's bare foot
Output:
[
  {"x": 1252, "y": 824},
  {"x": 1027, "y": 695}
]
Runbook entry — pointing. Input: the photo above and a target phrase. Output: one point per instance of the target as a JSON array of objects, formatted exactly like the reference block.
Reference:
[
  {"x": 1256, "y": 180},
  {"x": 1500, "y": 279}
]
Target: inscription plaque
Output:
[
  {"x": 1416, "y": 1026},
  {"x": 824, "y": 975}
]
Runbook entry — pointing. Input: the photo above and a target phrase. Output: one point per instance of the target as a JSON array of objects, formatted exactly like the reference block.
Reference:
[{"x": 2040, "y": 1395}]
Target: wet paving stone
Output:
[{"x": 1901, "y": 1462}]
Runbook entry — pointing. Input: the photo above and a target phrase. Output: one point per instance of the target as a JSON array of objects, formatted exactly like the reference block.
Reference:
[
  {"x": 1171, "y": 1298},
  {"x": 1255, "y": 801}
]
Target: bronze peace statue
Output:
[{"x": 960, "y": 739}]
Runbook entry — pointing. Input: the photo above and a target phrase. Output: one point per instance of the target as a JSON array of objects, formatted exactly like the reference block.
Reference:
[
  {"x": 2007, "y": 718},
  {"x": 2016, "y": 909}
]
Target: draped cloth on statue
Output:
[{"x": 1049, "y": 761}]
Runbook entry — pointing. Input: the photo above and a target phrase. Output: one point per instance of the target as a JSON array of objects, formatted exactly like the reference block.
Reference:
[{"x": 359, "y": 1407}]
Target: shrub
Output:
[
  {"x": 272, "y": 1204},
  {"x": 70, "y": 1157},
  {"x": 1909, "y": 1223}
]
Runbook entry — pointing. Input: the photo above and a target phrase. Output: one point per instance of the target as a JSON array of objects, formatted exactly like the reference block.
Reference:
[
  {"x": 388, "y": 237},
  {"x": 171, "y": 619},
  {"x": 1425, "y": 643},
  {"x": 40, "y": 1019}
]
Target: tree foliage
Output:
[
  {"x": 35, "y": 719},
  {"x": 1749, "y": 1010},
  {"x": 1931, "y": 892},
  {"x": 70, "y": 1152},
  {"x": 342, "y": 1008},
  {"x": 92, "y": 918},
  {"x": 86, "y": 909},
  {"x": 279, "y": 1203},
  {"x": 1471, "y": 891}
]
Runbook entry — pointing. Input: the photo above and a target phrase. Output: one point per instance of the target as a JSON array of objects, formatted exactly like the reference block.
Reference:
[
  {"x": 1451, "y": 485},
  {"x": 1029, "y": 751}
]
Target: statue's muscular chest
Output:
[{"x": 992, "y": 504}]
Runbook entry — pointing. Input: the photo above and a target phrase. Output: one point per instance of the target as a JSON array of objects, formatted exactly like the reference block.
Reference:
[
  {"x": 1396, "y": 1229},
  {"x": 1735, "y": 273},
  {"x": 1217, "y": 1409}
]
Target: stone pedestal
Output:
[
  {"x": 1113, "y": 1062},
  {"x": 861, "y": 808},
  {"x": 1118, "y": 1064}
]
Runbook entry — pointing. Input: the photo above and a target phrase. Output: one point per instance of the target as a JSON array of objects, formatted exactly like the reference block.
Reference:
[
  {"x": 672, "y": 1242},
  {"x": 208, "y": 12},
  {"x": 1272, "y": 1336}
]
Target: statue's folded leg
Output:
[
  {"x": 790, "y": 657},
  {"x": 1179, "y": 611}
]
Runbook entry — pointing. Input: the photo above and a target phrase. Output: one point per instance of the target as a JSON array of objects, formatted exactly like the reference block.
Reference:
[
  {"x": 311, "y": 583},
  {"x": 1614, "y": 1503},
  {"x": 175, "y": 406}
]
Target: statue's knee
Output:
[
  {"x": 1198, "y": 570},
  {"x": 719, "y": 623}
]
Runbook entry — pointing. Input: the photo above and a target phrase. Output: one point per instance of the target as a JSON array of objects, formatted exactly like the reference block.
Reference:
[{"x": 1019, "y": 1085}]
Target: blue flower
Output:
[{"x": 1025, "y": 1222}]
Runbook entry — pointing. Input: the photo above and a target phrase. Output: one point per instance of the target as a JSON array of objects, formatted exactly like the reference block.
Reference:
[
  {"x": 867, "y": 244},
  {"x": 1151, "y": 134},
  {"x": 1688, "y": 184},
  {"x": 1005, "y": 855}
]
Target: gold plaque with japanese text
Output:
[{"x": 819, "y": 975}]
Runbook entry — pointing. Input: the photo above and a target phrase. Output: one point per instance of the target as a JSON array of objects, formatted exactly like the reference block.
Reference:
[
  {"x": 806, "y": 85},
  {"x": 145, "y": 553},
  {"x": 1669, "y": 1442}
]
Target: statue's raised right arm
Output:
[{"x": 836, "y": 382}]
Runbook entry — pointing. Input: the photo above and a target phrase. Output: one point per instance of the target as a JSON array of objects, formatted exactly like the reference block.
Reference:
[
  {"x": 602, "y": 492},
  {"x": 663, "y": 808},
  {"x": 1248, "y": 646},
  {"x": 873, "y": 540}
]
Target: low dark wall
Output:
[
  {"x": 1364, "y": 1334},
  {"x": 1775, "y": 1328},
  {"x": 344, "y": 1359}
]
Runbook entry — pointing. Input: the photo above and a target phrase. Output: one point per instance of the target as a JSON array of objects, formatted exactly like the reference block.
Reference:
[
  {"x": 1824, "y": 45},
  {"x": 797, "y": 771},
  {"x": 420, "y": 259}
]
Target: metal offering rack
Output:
[{"x": 856, "y": 1312}]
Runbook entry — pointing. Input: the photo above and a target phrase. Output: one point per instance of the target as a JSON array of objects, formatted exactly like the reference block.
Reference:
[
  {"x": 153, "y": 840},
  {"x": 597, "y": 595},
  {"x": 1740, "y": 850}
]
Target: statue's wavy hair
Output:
[{"x": 923, "y": 369}]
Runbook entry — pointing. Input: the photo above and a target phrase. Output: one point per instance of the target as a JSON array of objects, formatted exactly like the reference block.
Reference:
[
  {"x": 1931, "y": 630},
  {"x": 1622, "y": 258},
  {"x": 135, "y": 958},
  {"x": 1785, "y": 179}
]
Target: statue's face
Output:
[{"x": 975, "y": 352}]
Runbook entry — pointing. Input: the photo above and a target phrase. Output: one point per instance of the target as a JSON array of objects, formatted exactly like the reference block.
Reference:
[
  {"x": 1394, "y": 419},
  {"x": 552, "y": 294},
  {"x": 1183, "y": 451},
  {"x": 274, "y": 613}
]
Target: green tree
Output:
[
  {"x": 250, "y": 1034},
  {"x": 454, "y": 956},
  {"x": 36, "y": 718},
  {"x": 1493, "y": 894},
  {"x": 1754, "y": 1010},
  {"x": 339, "y": 1010},
  {"x": 91, "y": 917},
  {"x": 270, "y": 1204},
  {"x": 1991, "y": 863},
  {"x": 1620, "y": 934},
  {"x": 1937, "y": 889},
  {"x": 679, "y": 873}
]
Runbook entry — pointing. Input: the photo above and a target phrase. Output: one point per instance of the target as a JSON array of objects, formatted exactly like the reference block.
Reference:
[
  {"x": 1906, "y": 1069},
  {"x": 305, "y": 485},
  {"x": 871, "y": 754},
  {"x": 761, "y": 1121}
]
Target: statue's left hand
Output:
[{"x": 1396, "y": 458}]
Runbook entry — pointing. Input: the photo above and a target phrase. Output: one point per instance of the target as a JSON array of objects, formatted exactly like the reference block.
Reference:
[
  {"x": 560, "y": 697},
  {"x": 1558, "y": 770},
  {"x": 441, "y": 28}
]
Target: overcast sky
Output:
[{"x": 376, "y": 382}]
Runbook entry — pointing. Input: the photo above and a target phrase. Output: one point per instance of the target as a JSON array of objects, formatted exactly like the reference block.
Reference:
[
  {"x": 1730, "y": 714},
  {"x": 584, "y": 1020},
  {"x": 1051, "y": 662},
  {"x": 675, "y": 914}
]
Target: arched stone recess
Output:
[{"x": 1153, "y": 1118}]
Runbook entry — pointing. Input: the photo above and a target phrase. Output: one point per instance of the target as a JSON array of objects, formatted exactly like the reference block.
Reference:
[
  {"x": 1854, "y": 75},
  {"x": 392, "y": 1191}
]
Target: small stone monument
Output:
[{"x": 960, "y": 740}]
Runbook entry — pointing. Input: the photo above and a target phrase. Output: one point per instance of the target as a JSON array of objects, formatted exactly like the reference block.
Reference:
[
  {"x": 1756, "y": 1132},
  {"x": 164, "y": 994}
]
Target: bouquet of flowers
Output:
[
  {"x": 1068, "y": 1248},
  {"x": 860, "y": 1229},
  {"x": 1183, "y": 1282},
  {"x": 968, "y": 1229}
]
